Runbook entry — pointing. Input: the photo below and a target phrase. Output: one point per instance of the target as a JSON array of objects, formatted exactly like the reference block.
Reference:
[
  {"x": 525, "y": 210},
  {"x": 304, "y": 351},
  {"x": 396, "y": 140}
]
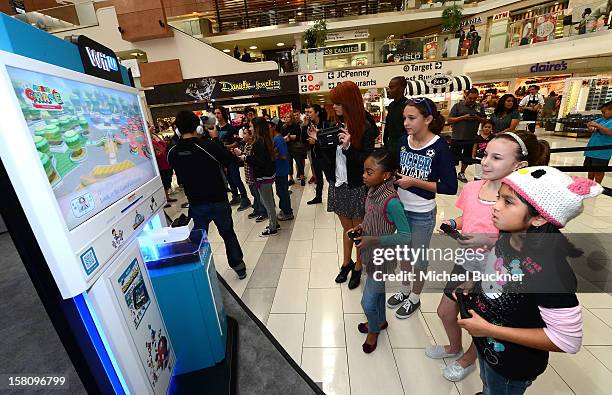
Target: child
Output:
[
  {"x": 516, "y": 321},
  {"x": 384, "y": 215},
  {"x": 282, "y": 172},
  {"x": 427, "y": 167},
  {"x": 602, "y": 135},
  {"x": 479, "y": 147},
  {"x": 262, "y": 160},
  {"x": 505, "y": 153},
  {"x": 258, "y": 208}
]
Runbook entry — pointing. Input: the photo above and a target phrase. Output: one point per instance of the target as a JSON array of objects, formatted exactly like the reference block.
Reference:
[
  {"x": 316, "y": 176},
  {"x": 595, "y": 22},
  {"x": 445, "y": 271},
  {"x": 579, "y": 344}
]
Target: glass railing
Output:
[
  {"x": 459, "y": 44},
  {"x": 62, "y": 18}
]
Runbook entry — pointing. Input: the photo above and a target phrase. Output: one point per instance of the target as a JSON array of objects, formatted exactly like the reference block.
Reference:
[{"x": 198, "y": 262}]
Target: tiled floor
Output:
[{"x": 290, "y": 288}]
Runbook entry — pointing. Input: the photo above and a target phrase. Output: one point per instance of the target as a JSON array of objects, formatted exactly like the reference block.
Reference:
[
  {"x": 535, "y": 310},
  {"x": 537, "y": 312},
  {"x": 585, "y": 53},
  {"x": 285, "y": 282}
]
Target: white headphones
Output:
[
  {"x": 177, "y": 132},
  {"x": 200, "y": 128}
]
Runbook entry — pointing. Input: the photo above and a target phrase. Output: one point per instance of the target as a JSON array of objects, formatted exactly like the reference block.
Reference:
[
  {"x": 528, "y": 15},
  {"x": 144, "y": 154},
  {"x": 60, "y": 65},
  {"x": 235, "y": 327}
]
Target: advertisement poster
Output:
[
  {"x": 545, "y": 26},
  {"x": 91, "y": 141},
  {"x": 144, "y": 322}
]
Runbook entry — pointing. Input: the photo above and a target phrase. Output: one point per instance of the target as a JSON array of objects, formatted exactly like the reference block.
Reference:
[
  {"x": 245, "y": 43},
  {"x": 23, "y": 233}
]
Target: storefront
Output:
[
  {"x": 266, "y": 91},
  {"x": 347, "y": 48}
]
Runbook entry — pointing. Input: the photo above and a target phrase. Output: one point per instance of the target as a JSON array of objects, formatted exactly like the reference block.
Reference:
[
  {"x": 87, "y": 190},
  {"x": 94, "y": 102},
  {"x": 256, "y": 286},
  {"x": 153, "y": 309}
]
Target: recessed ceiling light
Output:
[
  {"x": 253, "y": 47},
  {"x": 299, "y": 13},
  {"x": 280, "y": 44},
  {"x": 226, "y": 50}
]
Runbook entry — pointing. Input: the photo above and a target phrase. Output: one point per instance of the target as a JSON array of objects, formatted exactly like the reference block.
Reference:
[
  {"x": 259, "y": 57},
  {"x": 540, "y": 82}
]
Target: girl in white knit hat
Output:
[{"x": 525, "y": 305}]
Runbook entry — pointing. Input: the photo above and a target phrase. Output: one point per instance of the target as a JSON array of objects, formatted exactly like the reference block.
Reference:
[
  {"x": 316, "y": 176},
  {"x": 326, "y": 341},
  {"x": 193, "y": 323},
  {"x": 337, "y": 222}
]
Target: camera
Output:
[{"x": 329, "y": 136}]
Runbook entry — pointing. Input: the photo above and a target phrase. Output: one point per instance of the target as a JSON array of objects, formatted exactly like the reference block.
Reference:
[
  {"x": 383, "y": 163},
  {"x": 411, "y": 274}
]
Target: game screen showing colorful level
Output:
[{"x": 91, "y": 141}]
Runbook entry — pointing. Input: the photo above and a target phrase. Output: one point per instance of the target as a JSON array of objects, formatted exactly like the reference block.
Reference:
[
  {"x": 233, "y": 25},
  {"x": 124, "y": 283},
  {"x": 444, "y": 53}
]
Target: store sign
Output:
[
  {"x": 99, "y": 60},
  {"x": 472, "y": 21},
  {"x": 344, "y": 49},
  {"x": 348, "y": 35},
  {"x": 545, "y": 67},
  {"x": 545, "y": 26},
  {"x": 440, "y": 81},
  {"x": 501, "y": 15},
  {"x": 262, "y": 83},
  {"x": 379, "y": 77}
]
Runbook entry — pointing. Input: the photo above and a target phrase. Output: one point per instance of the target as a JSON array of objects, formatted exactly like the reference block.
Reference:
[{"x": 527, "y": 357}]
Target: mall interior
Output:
[{"x": 113, "y": 282}]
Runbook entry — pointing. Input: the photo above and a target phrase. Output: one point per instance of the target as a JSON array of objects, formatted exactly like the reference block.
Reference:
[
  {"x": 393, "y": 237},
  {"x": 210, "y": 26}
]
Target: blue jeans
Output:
[
  {"x": 373, "y": 303},
  {"x": 494, "y": 383},
  {"x": 282, "y": 191},
  {"x": 421, "y": 228},
  {"x": 221, "y": 214},
  {"x": 258, "y": 207},
  {"x": 234, "y": 180}
]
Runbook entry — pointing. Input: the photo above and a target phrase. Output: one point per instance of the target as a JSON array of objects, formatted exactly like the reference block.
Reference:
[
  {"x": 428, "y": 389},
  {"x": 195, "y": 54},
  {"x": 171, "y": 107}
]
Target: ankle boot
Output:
[
  {"x": 355, "y": 279},
  {"x": 344, "y": 272}
]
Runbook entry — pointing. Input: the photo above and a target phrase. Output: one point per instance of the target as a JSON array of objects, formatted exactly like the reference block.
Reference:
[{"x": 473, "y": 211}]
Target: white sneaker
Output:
[
  {"x": 439, "y": 352},
  {"x": 455, "y": 372}
]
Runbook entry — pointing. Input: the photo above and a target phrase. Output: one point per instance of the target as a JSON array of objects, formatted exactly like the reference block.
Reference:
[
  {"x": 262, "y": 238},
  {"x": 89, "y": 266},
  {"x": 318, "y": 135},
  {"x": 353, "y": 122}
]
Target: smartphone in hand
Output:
[{"x": 454, "y": 233}]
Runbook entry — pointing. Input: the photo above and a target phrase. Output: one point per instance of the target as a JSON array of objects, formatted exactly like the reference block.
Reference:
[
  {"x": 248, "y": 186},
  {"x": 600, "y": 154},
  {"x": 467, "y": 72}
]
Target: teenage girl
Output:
[
  {"x": 426, "y": 168},
  {"x": 505, "y": 153},
  {"x": 262, "y": 160},
  {"x": 516, "y": 322},
  {"x": 384, "y": 216}
]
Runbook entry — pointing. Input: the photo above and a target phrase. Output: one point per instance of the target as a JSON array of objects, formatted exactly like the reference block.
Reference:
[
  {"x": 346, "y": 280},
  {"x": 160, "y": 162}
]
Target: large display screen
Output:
[{"x": 91, "y": 141}]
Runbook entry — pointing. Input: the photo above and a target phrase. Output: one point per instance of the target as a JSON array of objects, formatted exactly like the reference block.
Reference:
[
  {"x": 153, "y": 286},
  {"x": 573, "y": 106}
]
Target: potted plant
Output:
[
  {"x": 451, "y": 17},
  {"x": 314, "y": 36}
]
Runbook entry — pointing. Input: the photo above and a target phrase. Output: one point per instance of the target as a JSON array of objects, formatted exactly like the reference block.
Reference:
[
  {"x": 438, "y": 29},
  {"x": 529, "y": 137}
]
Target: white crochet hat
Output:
[{"x": 555, "y": 195}]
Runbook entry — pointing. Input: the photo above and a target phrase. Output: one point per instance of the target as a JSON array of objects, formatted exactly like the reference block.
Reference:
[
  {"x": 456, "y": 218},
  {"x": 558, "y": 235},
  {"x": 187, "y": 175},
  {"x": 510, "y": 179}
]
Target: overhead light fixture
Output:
[
  {"x": 280, "y": 44},
  {"x": 299, "y": 13},
  {"x": 253, "y": 47},
  {"x": 226, "y": 50}
]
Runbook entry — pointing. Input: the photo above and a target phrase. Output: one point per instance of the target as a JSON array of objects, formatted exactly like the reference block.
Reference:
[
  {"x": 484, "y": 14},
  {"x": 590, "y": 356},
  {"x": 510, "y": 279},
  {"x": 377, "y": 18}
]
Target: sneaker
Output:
[
  {"x": 252, "y": 215},
  {"x": 171, "y": 200},
  {"x": 185, "y": 205},
  {"x": 407, "y": 309},
  {"x": 285, "y": 217},
  {"x": 244, "y": 204},
  {"x": 241, "y": 274},
  {"x": 455, "y": 372},
  {"x": 316, "y": 200},
  {"x": 439, "y": 352},
  {"x": 396, "y": 300},
  {"x": 235, "y": 201},
  {"x": 267, "y": 232},
  {"x": 461, "y": 177},
  {"x": 261, "y": 218}
]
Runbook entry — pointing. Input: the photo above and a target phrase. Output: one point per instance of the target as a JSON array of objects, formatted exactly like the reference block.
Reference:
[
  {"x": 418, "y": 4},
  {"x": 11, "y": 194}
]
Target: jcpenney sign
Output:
[{"x": 99, "y": 60}]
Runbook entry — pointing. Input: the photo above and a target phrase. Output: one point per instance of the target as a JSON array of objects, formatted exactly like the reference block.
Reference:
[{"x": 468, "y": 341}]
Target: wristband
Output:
[{"x": 453, "y": 223}]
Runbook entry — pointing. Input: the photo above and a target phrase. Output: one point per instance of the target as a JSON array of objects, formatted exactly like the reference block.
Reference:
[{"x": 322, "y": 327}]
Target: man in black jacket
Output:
[
  {"x": 394, "y": 122},
  {"x": 199, "y": 163}
]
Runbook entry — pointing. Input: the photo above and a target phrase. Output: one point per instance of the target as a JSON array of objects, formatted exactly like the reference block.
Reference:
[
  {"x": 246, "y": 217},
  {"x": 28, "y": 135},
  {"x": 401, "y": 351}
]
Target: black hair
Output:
[
  {"x": 401, "y": 79},
  {"x": 587, "y": 11},
  {"x": 250, "y": 109},
  {"x": 223, "y": 112},
  {"x": 427, "y": 107},
  {"x": 186, "y": 122},
  {"x": 488, "y": 122},
  {"x": 501, "y": 103},
  {"x": 606, "y": 105},
  {"x": 319, "y": 110},
  {"x": 473, "y": 90},
  {"x": 534, "y": 86},
  {"x": 385, "y": 159}
]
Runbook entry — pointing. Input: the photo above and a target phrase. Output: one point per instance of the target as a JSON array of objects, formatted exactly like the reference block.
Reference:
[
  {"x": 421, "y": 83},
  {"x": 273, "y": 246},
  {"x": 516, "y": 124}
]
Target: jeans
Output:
[
  {"x": 267, "y": 199},
  {"x": 300, "y": 162},
  {"x": 221, "y": 214},
  {"x": 234, "y": 180},
  {"x": 494, "y": 383},
  {"x": 282, "y": 191},
  {"x": 373, "y": 303},
  {"x": 422, "y": 227},
  {"x": 258, "y": 207}
]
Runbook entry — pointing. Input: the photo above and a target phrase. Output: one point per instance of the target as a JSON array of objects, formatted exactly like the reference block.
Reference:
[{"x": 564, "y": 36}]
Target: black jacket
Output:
[
  {"x": 262, "y": 161},
  {"x": 354, "y": 157},
  {"x": 198, "y": 163}
]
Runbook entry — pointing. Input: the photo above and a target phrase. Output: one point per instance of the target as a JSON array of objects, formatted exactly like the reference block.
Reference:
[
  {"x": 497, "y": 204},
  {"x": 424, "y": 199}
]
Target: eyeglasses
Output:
[{"x": 424, "y": 100}]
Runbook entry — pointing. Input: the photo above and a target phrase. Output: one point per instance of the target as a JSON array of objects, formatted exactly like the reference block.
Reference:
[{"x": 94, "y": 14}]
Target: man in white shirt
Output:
[{"x": 531, "y": 105}]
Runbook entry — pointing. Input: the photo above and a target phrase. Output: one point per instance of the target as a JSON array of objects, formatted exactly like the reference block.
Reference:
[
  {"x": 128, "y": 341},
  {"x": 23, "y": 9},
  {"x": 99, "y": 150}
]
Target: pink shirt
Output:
[{"x": 477, "y": 215}]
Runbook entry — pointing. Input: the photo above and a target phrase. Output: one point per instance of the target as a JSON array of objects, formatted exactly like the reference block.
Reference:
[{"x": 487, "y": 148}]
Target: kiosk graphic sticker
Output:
[
  {"x": 134, "y": 292},
  {"x": 91, "y": 140}
]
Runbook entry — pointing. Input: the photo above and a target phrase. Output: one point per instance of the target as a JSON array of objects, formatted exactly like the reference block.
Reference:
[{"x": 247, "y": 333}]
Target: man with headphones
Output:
[{"x": 199, "y": 163}]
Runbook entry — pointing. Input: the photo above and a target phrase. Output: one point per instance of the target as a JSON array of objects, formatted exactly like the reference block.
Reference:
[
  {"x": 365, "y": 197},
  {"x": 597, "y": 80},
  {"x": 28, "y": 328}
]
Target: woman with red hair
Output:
[{"x": 343, "y": 168}]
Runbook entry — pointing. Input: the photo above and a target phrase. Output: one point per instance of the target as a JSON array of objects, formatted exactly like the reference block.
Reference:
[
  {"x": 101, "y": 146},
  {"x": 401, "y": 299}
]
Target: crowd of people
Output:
[{"x": 387, "y": 197}]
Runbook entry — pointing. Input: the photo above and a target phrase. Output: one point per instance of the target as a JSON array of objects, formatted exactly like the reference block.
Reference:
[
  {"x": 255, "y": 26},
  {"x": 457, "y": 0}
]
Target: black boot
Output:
[
  {"x": 355, "y": 279},
  {"x": 344, "y": 272}
]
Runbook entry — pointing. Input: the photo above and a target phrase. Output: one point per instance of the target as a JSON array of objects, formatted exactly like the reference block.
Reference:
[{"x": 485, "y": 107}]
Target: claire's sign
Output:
[{"x": 548, "y": 66}]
